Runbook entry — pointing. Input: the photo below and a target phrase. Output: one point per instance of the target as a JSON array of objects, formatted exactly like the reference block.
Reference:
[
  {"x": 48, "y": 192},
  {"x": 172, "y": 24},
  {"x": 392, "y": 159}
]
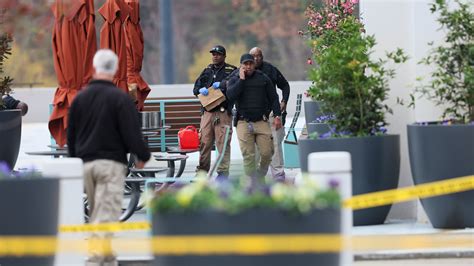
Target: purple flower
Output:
[
  {"x": 333, "y": 183},
  {"x": 324, "y": 118},
  {"x": 446, "y": 122},
  {"x": 325, "y": 135},
  {"x": 5, "y": 168},
  {"x": 379, "y": 130},
  {"x": 265, "y": 190}
]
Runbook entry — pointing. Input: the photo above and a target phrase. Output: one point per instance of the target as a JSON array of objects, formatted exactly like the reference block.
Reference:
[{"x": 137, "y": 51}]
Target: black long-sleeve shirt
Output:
[
  {"x": 103, "y": 124},
  {"x": 277, "y": 78},
  {"x": 253, "y": 96}
]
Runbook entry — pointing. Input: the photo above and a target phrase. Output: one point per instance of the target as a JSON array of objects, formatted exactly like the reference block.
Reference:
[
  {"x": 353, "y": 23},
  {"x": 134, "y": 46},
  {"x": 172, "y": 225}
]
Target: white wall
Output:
[{"x": 407, "y": 24}]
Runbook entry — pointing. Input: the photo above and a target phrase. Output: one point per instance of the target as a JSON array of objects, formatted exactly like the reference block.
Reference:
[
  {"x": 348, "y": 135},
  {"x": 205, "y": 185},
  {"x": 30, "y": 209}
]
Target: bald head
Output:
[{"x": 257, "y": 54}]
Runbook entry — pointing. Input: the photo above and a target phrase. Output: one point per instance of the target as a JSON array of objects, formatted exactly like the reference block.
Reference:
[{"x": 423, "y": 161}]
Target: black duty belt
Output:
[{"x": 251, "y": 120}]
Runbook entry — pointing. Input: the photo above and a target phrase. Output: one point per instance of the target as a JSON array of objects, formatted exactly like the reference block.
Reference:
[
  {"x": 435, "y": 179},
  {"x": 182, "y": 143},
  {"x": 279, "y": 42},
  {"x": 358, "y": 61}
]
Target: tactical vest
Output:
[{"x": 253, "y": 103}]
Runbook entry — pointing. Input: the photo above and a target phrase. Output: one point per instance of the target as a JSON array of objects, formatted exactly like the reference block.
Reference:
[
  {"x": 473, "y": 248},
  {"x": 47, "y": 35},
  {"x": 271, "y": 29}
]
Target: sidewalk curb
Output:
[{"x": 397, "y": 255}]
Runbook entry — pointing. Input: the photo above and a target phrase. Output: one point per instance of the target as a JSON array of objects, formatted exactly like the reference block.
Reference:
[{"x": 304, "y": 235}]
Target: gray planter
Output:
[
  {"x": 10, "y": 136},
  {"x": 29, "y": 208},
  {"x": 437, "y": 153},
  {"x": 262, "y": 221},
  {"x": 311, "y": 111},
  {"x": 375, "y": 167}
]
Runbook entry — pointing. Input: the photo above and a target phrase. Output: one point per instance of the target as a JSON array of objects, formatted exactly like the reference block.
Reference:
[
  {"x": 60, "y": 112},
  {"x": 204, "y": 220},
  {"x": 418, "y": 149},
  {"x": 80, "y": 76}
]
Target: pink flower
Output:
[{"x": 309, "y": 61}]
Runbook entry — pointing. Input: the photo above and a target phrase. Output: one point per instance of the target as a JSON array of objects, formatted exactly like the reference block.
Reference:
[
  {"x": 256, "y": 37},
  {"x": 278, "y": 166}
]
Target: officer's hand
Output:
[
  {"x": 242, "y": 73},
  {"x": 204, "y": 91},
  {"x": 277, "y": 123},
  {"x": 216, "y": 85},
  {"x": 132, "y": 91},
  {"x": 283, "y": 106}
]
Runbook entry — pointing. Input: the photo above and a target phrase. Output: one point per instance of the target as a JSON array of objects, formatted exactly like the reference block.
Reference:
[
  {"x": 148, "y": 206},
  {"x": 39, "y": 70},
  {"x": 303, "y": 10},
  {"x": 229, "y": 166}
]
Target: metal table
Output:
[
  {"x": 177, "y": 150},
  {"x": 54, "y": 153},
  {"x": 170, "y": 159}
]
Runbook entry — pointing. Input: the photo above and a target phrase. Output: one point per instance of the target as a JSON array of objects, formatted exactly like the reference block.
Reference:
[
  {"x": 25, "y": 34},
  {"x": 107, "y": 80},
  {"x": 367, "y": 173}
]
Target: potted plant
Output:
[
  {"x": 233, "y": 209},
  {"x": 10, "y": 120},
  {"x": 353, "y": 87},
  {"x": 445, "y": 149},
  {"x": 30, "y": 205}
]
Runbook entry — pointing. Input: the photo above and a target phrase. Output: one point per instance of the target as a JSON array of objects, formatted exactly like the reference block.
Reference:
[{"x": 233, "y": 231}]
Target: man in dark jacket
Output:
[
  {"x": 213, "y": 122},
  {"x": 254, "y": 95},
  {"x": 103, "y": 127},
  {"x": 277, "y": 165}
]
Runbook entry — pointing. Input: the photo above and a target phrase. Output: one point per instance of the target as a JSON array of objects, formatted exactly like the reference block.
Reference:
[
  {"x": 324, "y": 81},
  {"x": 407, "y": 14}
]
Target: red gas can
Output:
[{"x": 188, "y": 138}]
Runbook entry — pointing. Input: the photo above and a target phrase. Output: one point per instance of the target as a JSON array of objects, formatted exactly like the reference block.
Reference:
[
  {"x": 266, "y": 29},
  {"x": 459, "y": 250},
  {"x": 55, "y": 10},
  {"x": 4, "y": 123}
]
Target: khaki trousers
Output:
[
  {"x": 277, "y": 167},
  {"x": 213, "y": 131},
  {"x": 261, "y": 135},
  {"x": 104, "y": 184}
]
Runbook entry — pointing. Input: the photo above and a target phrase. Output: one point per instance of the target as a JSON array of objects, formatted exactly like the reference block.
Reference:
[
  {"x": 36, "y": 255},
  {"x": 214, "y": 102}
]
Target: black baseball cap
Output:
[
  {"x": 246, "y": 57},
  {"x": 218, "y": 49}
]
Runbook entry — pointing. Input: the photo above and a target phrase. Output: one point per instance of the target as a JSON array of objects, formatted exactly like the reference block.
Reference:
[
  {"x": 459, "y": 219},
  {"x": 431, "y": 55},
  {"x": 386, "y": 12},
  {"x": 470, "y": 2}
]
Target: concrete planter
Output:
[
  {"x": 437, "y": 153},
  {"x": 312, "y": 111},
  {"x": 10, "y": 136},
  {"x": 30, "y": 208},
  {"x": 262, "y": 221},
  {"x": 375, "y": 167}
]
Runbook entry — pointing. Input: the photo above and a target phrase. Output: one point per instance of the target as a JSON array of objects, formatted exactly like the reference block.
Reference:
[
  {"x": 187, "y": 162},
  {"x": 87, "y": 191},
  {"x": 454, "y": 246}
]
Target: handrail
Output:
[{"x": 171, "y": 101}]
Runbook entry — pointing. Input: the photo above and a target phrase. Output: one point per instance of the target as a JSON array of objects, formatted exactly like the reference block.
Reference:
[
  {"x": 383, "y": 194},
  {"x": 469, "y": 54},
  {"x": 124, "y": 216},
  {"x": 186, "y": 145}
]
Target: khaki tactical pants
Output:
[
  {"x": 213, "y": 130},
  {"x": 104, "y": 184},
  {"x": 258, "y": 133},
  {"x": 277, "y": 167}
]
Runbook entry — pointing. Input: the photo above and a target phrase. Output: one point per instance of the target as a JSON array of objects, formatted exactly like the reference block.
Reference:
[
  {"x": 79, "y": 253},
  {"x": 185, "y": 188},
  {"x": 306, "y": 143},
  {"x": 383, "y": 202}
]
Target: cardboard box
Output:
[{"x": 212, "y": 100}]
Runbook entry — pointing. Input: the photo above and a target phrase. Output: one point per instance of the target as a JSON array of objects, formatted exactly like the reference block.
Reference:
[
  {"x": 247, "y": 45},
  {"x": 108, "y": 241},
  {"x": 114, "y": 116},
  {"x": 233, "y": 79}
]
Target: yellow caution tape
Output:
[
  {"x": 426, "y": 190},
  {"x": 105, "y": 227},
  {"x": 246, "y": 244},
  {"x": 232, "y": 244}
]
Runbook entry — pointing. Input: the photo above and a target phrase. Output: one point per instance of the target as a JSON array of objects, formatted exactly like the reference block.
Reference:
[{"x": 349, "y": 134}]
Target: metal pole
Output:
[{"x": 166, "y": 43}]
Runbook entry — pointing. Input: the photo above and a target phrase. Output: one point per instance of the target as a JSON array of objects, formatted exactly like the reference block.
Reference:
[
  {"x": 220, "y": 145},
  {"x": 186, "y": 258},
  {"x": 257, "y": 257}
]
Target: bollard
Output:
[
  {"x": 327, "y": 166},
  {"x": 70, "y": 172}
]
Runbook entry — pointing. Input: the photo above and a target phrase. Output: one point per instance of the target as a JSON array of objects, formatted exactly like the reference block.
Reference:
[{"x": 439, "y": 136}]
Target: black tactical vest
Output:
[{"x": 253, "y": 103}]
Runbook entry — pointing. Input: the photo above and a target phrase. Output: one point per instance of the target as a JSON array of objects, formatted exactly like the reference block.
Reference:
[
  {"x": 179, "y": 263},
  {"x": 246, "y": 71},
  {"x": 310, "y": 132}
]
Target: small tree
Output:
[
  {"x": 5, "y": 51},
  {"x": 350, "y": 83},
  {"x": 452, "y": 80}
]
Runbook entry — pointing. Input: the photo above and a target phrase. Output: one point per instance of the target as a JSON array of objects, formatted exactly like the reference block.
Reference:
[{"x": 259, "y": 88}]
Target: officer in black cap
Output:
[
  {"x": 255, "y": 96},
  {"x": 213, "y": 122}
]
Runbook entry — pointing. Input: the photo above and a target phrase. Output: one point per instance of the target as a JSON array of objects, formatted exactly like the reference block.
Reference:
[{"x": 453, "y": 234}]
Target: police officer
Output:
[
  {"x": 213, "y": 122},
  {"x": 277, "y": 165},
  {"x": 254, "y": 95}
]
